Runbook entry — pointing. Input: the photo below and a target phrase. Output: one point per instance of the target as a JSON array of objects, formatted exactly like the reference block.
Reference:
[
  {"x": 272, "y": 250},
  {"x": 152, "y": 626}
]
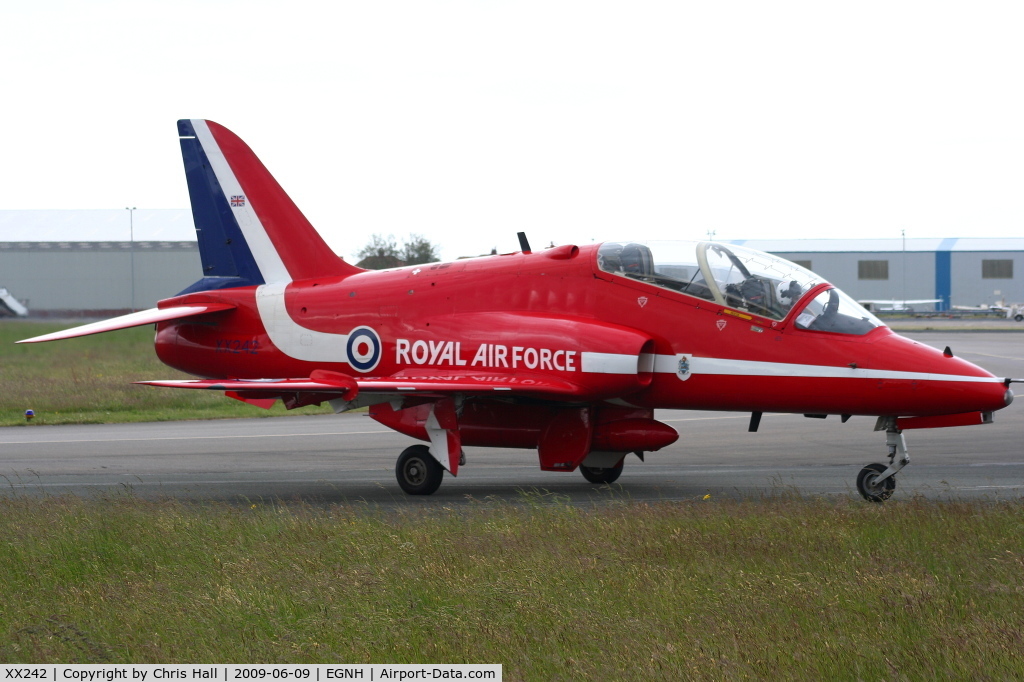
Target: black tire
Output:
[
  {"x": 601, "y": 475},
  {"x": 1018, "y": 317},
  {"x": 417, "y": 471},
  {"x": 870, "y": 488}
]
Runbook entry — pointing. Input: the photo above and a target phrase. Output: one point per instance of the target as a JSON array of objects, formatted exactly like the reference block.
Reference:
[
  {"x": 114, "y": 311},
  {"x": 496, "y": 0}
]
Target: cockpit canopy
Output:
[{"x": 740, "y": 278}]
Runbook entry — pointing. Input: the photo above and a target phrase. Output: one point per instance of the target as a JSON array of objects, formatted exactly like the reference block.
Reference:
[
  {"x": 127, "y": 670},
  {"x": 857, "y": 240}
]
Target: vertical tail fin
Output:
[{"x": 250, "y": 232}]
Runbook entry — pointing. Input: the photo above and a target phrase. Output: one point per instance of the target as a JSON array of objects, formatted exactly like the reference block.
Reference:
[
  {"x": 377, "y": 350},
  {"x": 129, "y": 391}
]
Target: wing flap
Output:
[{"x": 139, "y": 319}]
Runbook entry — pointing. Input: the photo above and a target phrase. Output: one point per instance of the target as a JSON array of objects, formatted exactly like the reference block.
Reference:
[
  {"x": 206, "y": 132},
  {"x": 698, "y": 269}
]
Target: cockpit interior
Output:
[{"x": 740, "y": 278}]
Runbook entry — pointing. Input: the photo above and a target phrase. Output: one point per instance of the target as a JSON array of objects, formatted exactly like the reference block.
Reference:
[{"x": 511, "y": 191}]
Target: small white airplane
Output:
[
  {"x": 10, "y": 306},
  {"x": 897, "y": 305},
  {"x": 1015, "y": 311}
]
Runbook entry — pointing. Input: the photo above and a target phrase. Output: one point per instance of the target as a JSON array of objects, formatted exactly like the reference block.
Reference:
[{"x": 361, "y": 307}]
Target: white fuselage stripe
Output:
[
  {"x": 292, "y": 339},
  {"x": 608, "y": 363},
  {"x": 309, "y": 345},
  {"x": 669, "y": 364}
]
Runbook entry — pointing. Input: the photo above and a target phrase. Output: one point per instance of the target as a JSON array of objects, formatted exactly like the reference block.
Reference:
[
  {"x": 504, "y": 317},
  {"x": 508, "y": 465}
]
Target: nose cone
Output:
[{"x": 939, "y": 383}]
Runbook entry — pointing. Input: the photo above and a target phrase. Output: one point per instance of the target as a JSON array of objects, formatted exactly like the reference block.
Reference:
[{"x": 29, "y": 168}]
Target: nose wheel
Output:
[
  {"x": 877, "y": 482},
  {"x": 872, "y": 486}
]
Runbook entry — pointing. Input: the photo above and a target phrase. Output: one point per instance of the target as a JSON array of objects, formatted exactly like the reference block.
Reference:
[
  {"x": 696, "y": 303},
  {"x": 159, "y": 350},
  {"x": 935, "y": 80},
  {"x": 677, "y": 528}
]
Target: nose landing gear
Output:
[{"x": 876, "y": 482}]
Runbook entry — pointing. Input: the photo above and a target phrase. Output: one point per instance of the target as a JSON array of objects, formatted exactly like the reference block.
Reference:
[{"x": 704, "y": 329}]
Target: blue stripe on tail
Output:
[{"x": 227, "y": 260}]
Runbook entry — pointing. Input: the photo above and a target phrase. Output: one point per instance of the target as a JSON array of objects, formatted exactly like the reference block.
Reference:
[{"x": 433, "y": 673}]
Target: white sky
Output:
[{"x": 468, "y": 121}]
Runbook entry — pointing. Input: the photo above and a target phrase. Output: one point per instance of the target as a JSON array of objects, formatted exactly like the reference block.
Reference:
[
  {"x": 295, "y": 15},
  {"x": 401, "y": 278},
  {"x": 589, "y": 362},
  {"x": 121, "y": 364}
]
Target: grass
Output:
[
  {"x": 703, "y": 590},
  {"x": 88, "y": 380}
]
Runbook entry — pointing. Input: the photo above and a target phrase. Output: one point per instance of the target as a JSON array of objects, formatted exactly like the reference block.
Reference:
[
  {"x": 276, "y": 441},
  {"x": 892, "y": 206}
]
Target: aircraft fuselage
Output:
[{"x": 558, "y": 315}]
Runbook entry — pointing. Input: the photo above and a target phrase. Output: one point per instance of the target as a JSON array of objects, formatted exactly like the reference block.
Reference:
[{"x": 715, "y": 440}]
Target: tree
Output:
[
  {"x": 380, "y": 253},
  {"x": 418, "y": 249},
  {"x": 383, "y": 252}
]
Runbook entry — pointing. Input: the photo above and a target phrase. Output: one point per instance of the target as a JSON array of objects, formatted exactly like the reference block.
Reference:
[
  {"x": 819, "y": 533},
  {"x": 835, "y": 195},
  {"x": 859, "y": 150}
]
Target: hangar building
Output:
[
  {"x": 96, "y": 263},
  {"x": 958, "y": 271}
]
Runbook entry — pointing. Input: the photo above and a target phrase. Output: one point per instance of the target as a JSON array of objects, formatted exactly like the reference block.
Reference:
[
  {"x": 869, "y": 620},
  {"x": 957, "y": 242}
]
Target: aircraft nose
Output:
[
  {"x": 979, "y": 390},
  {"x": 987, "y": 397},
  {"x": 1008, "y": 397},
  {"x": 950, "y": 384},
  {"x": 972, "y": 393}
]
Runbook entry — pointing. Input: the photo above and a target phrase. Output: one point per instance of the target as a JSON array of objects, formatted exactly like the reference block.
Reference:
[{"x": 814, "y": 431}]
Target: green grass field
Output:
[
  {"x": 780, "y": 588},
  {"x": 89, "y": 380}
]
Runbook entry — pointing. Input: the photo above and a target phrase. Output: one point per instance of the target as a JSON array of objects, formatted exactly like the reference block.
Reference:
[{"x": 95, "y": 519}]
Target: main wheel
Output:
[
  {"x": 417, "y": 471},
  {"x": 871, "y": 488},
  {"x": 601, "y": 474},
  {"x": 1018, "y": 317}
]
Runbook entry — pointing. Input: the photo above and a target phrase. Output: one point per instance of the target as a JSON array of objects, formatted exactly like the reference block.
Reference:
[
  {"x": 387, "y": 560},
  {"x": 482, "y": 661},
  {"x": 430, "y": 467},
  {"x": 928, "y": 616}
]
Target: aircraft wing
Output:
[
  {"x": 339, "y": 385},
  {"x": 139, "y": 319},
  {"x": 436, "y": 389}
]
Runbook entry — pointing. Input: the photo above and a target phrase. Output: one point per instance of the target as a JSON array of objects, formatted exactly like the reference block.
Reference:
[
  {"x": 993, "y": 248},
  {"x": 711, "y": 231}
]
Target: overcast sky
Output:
[{"x": 468, "y": 121}]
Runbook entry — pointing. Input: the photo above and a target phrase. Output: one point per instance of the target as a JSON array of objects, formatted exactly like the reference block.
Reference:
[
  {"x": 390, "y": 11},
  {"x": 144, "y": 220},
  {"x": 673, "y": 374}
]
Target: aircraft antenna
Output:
[{"x": 524, "y": 244}]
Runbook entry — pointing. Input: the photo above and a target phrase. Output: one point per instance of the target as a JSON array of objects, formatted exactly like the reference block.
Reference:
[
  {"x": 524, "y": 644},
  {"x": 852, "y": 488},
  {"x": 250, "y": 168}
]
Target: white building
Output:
[{"x": 96, "y": 262}]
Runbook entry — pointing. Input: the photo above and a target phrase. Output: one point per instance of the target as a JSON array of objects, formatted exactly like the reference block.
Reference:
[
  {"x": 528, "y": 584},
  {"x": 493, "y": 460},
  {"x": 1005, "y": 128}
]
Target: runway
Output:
[{"x": 350, "y": 458}]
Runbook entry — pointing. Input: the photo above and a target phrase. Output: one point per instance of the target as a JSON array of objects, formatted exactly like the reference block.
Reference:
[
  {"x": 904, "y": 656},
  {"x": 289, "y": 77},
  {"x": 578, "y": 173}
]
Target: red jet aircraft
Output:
[{"x": 567, "y": 351}]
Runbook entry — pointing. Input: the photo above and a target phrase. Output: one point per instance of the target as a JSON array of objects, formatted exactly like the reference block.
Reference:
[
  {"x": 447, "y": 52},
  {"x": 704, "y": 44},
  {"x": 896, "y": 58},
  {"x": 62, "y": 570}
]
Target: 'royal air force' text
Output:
[{"x": 449, "y": 353}]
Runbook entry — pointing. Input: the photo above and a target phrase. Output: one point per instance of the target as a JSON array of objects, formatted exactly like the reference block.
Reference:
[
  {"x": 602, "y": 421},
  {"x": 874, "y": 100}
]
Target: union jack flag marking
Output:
[{"x": 237, "y": 200}]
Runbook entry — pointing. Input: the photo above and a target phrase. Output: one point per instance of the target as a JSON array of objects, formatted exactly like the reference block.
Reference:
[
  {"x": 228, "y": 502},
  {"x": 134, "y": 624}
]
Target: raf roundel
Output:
[{"x": 363, "y": 349}]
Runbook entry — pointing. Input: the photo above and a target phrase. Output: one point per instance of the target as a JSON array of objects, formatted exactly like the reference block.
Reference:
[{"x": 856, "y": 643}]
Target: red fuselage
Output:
[{"x": 554, "y": 313}]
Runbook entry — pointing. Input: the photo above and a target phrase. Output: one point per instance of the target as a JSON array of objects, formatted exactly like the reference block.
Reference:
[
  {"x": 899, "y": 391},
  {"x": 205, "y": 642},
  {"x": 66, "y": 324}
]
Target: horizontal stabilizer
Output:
[{"x": 139, "y": 319}]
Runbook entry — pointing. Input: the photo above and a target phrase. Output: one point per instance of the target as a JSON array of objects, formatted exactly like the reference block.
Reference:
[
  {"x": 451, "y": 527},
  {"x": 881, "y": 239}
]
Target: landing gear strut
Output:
[{"x": 876, "y": 482}]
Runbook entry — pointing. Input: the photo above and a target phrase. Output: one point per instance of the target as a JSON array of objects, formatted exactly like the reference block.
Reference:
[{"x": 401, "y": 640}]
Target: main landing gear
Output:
[
  {"x": 601, "y": 475},
  {"x": 876, "y": 482},
  {"x": 418, "y": 472}
]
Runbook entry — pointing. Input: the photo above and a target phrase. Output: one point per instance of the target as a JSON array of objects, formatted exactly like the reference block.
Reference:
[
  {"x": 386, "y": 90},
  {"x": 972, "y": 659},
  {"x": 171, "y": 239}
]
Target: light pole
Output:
[
  {"x": 131, "y": 241},
  {"x": 903, "y": 233}
]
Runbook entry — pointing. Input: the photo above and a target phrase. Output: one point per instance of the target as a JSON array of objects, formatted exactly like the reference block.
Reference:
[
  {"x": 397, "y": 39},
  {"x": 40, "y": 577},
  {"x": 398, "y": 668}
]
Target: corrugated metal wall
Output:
[
  {"x": 911, "y": 275},
  {"x": 921, "y": 275},
  {"x": 97, "y": 276},
  {"x": 970, "y": 288}
]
